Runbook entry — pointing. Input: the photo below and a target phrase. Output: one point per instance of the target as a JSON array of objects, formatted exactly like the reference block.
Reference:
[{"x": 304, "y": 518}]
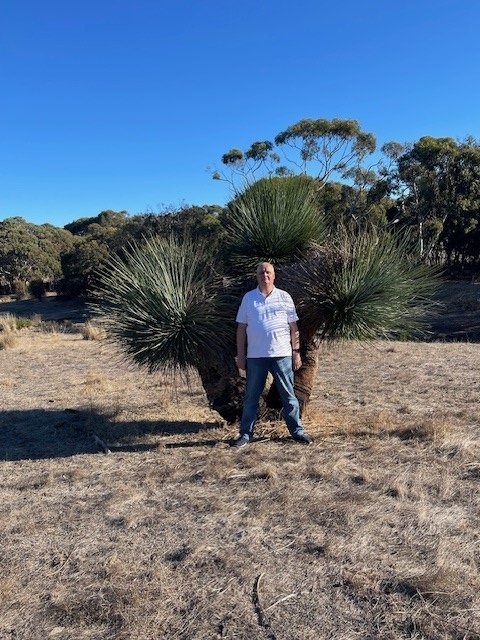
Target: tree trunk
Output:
[
  {"x": 224, "y": 388},
  {"x": 306, "y": 376}
]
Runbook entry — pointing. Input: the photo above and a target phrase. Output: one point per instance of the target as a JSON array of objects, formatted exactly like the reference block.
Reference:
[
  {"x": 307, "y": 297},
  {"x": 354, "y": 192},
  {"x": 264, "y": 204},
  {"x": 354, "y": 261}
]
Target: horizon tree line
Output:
[{"x": 431, "y": 186}]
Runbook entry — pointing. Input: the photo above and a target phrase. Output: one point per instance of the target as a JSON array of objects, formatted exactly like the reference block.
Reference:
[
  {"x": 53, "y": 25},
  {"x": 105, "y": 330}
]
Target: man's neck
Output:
[{"x": 266, "y": 290}]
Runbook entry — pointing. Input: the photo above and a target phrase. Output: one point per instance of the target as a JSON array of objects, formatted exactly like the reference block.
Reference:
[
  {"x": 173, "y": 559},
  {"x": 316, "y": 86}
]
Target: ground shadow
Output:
[
  {"x": 186, "y": 444},
  {"x": 50, "y": 308},
  {"x": 454, "y": 328},
  {"x": 39, "y": 434},
  {"x": 456, "y": 316}
]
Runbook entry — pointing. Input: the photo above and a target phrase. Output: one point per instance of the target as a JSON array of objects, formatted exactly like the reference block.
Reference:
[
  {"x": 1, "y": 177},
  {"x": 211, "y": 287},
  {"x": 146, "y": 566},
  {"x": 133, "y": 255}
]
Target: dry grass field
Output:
[{"x": 371, "y": 533}]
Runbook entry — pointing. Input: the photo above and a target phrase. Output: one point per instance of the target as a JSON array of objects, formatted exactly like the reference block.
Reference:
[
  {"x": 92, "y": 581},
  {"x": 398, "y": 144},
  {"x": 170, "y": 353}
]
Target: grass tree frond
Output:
[
  {"x": 307, "y": 281},
  {"x": 273, "y": 220},
  {"x": 369, "y": 286},
  {"x": 164, "y": 306},
  {"x": 380, "y": 289}
]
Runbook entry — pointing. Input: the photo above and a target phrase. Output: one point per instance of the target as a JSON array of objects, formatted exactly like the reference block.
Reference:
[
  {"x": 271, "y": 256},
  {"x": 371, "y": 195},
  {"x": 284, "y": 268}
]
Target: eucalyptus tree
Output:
[
  {"x": 80, "y": 265},
  {"x": 173, "y": 310},
  {"x": 100, "y": 227},
  {"x": 323, "y": 149},
  {"x": 333, "y": 154},
  {"x": 31, "y": 252},
  {"x": 437, "y": 183},
  {"x": 356, "y": 207},
  {"x": 196, "y": 222}
]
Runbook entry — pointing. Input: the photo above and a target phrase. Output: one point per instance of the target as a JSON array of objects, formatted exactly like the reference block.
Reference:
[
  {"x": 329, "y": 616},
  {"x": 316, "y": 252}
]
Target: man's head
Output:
[{"x": 265, "y": 276}]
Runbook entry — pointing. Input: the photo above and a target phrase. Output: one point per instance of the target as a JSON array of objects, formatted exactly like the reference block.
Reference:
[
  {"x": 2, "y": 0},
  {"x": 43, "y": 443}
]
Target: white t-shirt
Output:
[{"x": 268, "y": 321}]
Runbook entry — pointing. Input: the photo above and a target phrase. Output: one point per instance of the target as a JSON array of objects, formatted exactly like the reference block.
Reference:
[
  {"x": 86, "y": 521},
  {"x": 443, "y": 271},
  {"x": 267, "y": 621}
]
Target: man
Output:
[{"x": 268, "y": 341}]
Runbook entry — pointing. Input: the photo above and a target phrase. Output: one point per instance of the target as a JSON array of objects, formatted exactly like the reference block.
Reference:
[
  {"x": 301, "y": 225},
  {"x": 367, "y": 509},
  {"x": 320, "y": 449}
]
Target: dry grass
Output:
[
  {"x": 91, "y": 331},
  {"x": 8, "y": 339},
  {"x": 8, "y": 331},
  {"x": 8, "y": 322},
  {"x": 372, "y": 533}
]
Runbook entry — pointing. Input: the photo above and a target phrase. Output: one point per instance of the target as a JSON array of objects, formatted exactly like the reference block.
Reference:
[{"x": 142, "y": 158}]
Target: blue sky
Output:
[{"x": 124, "y": 104}]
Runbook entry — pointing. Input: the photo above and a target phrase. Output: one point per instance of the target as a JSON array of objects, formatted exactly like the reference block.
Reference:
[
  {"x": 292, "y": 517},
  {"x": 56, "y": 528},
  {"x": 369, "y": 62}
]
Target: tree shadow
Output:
[
  {"x": 54, "y": 308},
  {"x": 38, "y": 434}
]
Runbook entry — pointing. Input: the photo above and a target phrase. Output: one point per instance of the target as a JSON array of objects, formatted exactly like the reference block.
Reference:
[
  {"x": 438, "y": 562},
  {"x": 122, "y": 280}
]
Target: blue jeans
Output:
[{"x": 282, "y": 372}]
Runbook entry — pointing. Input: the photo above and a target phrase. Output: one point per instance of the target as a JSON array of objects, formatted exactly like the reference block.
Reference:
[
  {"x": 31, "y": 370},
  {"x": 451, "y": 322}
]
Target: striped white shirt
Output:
[{"x": 268, "y": 321}]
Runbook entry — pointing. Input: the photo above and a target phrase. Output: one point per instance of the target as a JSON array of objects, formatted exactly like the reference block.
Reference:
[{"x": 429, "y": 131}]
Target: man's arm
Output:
[
  {"x": 295, "y": 340},
  {"x": 241, "y": 346}
]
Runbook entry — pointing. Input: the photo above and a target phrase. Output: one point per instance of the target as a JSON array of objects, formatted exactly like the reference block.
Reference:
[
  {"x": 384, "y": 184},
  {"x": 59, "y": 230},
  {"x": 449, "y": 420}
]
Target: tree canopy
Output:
[
  {"x": 437, "y": 185},
  {"x": 31, "y": 252},
  {"x": 319, "y": 148}
]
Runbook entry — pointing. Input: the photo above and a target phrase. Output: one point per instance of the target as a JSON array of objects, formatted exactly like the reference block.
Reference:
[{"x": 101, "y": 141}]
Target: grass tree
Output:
[
  {"x": 170, "y": 312},
  {"x": 363, "y": 286},
  {"x": 173, "y": 311}
]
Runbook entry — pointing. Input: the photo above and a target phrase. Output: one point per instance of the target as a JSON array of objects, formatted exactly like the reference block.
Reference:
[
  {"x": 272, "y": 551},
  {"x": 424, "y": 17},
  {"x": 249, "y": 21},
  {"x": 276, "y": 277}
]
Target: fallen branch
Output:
[{"x": 262, "y": 620}]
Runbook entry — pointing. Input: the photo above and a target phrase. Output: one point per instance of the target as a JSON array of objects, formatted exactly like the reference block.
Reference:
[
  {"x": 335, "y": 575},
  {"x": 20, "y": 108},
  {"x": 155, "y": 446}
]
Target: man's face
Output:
[{"x": 265, "y": 274}]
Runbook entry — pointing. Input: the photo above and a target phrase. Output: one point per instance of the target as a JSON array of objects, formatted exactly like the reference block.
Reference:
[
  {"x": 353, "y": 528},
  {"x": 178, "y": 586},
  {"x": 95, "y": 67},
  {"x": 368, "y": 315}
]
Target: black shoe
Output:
[
  {"x": 240, "y": 442},
  {"x": 303, "y": 437}
]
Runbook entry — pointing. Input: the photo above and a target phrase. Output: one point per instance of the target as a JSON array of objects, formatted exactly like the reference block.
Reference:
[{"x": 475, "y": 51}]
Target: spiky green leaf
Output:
[
  {"x": 165, "y": 307},
  {"x": 273, "y": 220},
  {"x": 369, "y": 286}
]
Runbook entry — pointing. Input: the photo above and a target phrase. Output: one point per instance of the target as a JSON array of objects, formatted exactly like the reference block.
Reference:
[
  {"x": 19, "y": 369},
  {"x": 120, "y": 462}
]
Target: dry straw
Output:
[
  {"x": 8, "y": 331},
  {"x": 370, "y": 533}
]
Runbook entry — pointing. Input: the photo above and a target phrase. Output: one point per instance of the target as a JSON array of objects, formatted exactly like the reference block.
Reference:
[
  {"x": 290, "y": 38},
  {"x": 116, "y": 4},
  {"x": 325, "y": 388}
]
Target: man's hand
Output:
[
  {"x": 241, "y": 362},
  {"x": 295, "y": 340},
  {"x": 297, "y": 361}
]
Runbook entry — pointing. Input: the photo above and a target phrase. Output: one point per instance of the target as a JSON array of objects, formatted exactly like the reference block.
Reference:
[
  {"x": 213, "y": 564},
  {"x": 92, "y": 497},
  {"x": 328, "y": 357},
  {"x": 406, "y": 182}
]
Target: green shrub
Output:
[
  {"x": 23, "y": 323},
  {"x": 37, "y": 289}
]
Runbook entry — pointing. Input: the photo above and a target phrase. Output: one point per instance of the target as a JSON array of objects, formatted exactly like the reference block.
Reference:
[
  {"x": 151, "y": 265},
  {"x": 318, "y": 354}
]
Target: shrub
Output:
[
  {"x": 37, "y": 288},
  {"x": 20, "y": 290},
  {"x": 23, "y": 323},
  {"x": 90, "y": 331},
  {"x": 8, "y": 322},
  {"x": 8, "y": 328},
  {"x": 8, "y": 340}
]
